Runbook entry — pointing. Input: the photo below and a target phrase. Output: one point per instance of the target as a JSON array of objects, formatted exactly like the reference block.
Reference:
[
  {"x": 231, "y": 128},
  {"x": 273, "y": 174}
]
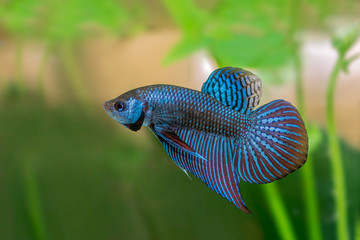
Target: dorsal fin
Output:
[{"x": 234, "y": 87}]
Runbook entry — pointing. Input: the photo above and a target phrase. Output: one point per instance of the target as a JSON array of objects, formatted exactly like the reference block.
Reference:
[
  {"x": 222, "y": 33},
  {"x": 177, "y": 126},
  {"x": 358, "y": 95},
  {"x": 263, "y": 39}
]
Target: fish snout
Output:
[{"x": 107, "y": 106}]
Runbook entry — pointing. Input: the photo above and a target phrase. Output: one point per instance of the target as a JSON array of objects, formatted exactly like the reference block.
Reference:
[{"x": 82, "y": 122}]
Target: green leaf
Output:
[
  {"x": 19, "y": 16},
  {"x": 315, "y": 136},
  {"x": 250, "y": 34},
  {"x": 71, "y": 19},
  {"x": 242, "y": 50},
  {"x": 186, "y": 14},
  {"x": 55, "y": 21},
  {"x": 182, "y": 49},
  {"x": 348, "y": 61},
  {"x": 344, "y": 39},
  {"x": 357, "y": 229}
]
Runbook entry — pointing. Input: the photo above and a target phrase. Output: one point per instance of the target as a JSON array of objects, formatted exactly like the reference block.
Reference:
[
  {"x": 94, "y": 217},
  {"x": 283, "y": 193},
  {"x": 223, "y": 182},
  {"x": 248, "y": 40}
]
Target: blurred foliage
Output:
[
  {"x": 60, "y": 25},
  {"x": 56, "y": 21},
  {"x": 343, "y": 40},
  {"x": 82, "y": 169},
  {"x": 246, "y": 33},
  {"x": 252, "y": 33},
  {"x": 15, "y": 16}
]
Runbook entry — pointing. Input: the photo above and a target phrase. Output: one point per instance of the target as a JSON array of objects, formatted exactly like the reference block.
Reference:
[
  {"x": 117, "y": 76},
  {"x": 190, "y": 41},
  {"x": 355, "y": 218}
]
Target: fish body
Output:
[{"x": 215, "y": 134}]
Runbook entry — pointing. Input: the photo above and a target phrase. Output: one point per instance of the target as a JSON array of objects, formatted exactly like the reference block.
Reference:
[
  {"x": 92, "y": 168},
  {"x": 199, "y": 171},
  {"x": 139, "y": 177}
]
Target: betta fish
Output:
[{"x": 217, "y": 134}]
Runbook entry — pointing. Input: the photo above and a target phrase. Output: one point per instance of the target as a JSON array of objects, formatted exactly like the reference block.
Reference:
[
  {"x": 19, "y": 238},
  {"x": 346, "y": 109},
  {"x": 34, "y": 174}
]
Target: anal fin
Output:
[
  {"x": 187, "y": 174},
  {"x": 217, "y": 172}
]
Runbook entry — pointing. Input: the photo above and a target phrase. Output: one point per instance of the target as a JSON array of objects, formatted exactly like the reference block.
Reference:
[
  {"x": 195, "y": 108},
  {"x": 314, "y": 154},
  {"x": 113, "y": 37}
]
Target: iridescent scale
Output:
[{"x": 194, "y": 110}]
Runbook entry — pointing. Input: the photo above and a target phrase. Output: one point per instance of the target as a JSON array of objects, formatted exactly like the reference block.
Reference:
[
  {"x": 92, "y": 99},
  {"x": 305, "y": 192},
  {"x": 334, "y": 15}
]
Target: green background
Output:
[{"x": 67, "y": 173}]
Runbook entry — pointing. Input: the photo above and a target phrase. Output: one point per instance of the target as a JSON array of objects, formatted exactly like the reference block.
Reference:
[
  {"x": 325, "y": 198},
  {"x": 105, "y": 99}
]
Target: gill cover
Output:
[
  {"x": 136, "y": 125},
  {"x": 135, "y": 114}
]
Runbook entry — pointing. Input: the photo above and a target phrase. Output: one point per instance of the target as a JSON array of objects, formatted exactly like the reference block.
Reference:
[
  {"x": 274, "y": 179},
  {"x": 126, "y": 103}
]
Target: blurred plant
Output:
[
  {"x": 342, "y": 42},
  {"x": 60, "y": 26},
  {"x": 32, "y": 201},
  {"x": 50, "y": 159},
  {"x": 64, "y": 23},
  {"x": 17, "y": 17},
  {"x": 250, "y": 34}
]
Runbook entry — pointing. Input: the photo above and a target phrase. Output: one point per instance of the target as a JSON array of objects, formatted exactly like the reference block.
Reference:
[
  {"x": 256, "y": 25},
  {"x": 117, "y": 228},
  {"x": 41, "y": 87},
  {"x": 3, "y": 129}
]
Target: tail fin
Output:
[{"x": 276, "y": 145}]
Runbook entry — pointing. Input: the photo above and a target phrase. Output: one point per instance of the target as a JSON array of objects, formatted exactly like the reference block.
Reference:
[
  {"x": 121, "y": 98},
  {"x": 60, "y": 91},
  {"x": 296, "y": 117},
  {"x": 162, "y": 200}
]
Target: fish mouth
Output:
[{"x": 107, "y": 106}]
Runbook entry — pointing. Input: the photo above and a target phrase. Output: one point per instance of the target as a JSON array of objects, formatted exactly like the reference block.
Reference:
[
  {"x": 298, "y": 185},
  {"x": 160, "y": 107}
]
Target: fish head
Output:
[{"x": 127, "y": 109}]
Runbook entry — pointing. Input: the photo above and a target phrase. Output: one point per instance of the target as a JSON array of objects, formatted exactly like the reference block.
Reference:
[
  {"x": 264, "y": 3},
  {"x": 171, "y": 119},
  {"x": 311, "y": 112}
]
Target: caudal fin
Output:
[{"x": 275, "y": 146}]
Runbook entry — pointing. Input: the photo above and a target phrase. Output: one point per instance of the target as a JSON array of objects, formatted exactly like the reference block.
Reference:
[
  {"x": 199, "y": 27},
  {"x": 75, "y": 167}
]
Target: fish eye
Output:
[{"x": 119, "y": 106}]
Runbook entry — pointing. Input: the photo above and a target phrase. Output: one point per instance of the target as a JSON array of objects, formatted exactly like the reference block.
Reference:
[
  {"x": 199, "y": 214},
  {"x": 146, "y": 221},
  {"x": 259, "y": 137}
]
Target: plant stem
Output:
[
  {"x": 311, "y": 207},
  {"x": 282, "y": 219},
  {"x": 74, "y": 75},
  {"x": 357, "y": 229},
  {"x": 20, "y": 85},
  {"x": 335, "y": 153},
  {"x": 41, "y": 72},
  {"x": 312, "y": 211},
  {"x": 33, "y": 203},
  {"x": 298, "y": 80}
]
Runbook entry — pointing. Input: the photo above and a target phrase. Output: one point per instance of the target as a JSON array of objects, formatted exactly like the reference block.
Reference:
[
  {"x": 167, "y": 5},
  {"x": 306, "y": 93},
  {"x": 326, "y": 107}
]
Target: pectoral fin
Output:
[{"x": 175, "y": 141}]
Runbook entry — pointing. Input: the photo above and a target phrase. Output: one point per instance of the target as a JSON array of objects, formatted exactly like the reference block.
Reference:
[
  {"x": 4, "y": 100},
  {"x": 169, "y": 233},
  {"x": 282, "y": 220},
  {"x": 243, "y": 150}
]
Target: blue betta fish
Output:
[{"x": 216, "y": 134}]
